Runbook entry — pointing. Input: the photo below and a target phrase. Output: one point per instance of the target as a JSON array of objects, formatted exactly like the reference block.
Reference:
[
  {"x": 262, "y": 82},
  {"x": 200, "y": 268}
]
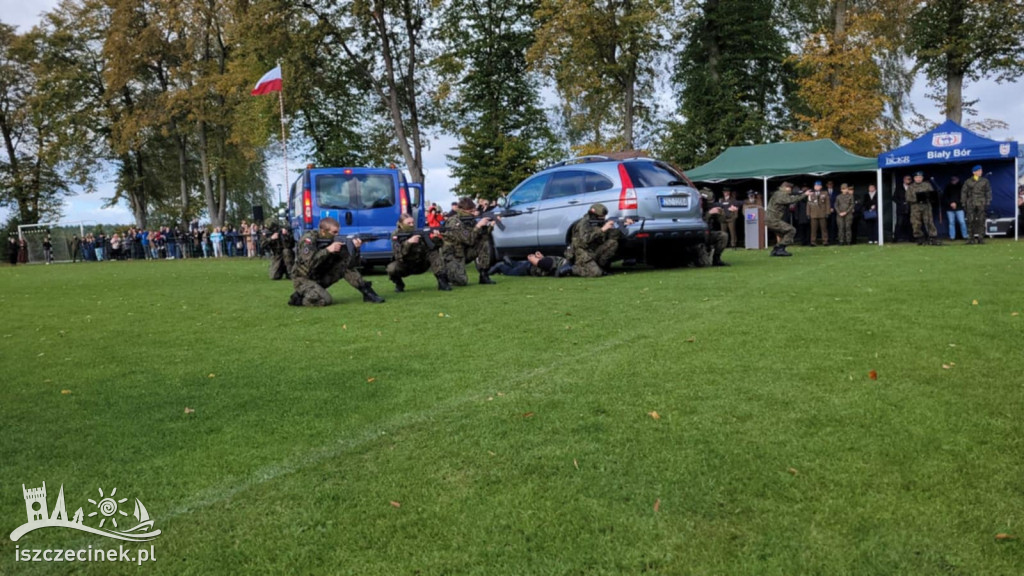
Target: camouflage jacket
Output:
[
  {"x": 313, "y": 258},
  {"x": 845, "y": 203},
  {"x": 976, "y": 193},
  {"x": 460, "y": 236},
  {"x": 409, "y": 252},
  {"x": 587, "y": 237},
  {"x": 924, "y": 189},
  {"x": 777, "y": 204}
]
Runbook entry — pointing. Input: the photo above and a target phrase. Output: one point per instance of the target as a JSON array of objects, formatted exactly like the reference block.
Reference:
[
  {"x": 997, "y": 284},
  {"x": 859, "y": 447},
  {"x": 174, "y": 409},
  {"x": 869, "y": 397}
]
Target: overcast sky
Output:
[{"x": 1000, "y": 102}]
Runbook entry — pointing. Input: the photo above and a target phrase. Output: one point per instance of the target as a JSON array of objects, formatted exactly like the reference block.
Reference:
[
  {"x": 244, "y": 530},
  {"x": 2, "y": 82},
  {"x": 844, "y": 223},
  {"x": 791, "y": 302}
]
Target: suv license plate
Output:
[{"x": 674, "y": 201}]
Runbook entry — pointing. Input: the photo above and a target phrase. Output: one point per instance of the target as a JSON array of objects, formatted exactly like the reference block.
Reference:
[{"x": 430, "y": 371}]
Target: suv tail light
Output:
[
  {"x": 403, "y": 200},
  {"x": 627, "y": 198},
  {"x": 307, "y": 207}
]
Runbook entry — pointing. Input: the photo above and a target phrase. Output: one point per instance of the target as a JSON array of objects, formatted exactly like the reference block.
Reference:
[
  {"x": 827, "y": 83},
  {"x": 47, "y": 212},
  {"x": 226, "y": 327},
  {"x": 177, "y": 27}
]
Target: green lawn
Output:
[{"x": 506, "y": 429}]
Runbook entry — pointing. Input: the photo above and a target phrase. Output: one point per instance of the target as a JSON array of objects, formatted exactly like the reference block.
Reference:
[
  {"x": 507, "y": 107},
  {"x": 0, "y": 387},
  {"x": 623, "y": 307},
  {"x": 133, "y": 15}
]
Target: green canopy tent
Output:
[{"x": 764, "y": 161}]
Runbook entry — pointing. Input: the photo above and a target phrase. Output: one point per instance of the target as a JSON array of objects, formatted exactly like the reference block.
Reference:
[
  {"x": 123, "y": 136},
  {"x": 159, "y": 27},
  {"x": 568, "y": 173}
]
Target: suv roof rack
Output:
[{"x": 581, "y": 160}]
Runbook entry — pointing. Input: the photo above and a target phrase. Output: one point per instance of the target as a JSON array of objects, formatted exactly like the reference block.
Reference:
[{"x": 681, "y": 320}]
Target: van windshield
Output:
[{"x": 355, "y": 191}]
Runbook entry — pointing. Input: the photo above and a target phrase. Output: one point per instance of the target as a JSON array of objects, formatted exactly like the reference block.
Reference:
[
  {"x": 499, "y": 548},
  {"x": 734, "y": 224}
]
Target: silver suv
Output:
[{"x": 539, "y": 213}]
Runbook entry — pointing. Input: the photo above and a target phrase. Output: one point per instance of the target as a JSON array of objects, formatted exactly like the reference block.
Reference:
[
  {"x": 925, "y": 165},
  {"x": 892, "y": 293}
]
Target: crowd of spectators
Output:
[{"x": 170, "y": 243}]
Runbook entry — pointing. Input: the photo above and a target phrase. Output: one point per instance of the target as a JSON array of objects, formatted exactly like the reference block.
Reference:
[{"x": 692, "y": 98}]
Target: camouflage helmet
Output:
[{"x": 599, "y": 210}]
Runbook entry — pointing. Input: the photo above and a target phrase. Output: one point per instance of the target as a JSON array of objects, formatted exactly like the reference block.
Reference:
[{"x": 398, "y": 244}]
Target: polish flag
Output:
[{"x": 271, "y": 82}]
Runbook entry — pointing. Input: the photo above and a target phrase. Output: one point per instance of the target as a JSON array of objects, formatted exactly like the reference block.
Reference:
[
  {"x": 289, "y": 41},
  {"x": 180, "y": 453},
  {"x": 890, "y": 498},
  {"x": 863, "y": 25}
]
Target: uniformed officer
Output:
[
  {"x": 595, "y": 242},
  {"x": 777, "y": 207},
  {"x": 321, "y": 263},
  {"x": 976, "y": 197},
  {"x": 844, "y": 206},
  {"x": 410, "y": 255},
  {"x": 714, "y": 215},
  {"x": 465, "y": 240},
  {"x": 918, "y": 197},
  {"x": 281, "y": 244},
  {"x": 729, "y": 217}
]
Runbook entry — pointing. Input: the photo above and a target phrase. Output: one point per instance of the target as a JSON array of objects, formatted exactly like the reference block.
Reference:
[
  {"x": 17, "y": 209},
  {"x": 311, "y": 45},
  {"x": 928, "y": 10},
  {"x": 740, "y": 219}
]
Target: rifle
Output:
[
  {"x": 322, "y": 243},
  {"x": 472, "y": 220},
  {"x": 600, "y": 222},
  {"x": 426, "y": 236}
]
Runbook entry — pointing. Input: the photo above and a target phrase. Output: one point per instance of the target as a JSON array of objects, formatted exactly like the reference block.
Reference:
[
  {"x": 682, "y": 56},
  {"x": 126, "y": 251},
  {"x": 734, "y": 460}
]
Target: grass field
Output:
[{"x": 508, "y": 429}]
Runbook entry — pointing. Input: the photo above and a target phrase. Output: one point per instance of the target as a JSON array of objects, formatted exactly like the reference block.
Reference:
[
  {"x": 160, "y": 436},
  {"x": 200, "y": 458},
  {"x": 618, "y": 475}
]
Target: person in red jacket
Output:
[{"x": 434, "y": 216}]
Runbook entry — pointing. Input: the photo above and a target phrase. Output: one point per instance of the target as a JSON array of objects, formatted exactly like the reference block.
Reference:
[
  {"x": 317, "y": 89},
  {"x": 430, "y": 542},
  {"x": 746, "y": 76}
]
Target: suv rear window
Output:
[
  {"x": 651, "y": 174},
  {"x": 355, "y": 191}
]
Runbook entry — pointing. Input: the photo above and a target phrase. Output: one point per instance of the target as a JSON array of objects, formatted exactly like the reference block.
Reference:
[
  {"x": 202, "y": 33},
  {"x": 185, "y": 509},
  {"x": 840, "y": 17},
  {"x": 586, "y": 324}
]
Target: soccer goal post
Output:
[{"x": 61, "y": 235}]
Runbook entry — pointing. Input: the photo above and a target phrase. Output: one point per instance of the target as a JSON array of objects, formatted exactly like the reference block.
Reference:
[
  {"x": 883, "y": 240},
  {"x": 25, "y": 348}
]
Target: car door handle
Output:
[{"x": 573, "y": 202}]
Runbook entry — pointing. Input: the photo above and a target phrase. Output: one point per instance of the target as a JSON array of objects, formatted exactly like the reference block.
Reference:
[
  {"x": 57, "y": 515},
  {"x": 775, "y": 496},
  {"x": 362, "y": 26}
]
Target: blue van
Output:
[{"x": 362, "y": 200}]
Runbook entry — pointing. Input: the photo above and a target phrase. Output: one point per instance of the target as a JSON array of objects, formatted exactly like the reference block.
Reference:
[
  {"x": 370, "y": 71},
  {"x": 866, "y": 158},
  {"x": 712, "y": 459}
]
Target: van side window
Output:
[
  {"x": 378, "y": 191},
  {"x": 567, "y": 183},
  {"x": 528, "y": 191}
]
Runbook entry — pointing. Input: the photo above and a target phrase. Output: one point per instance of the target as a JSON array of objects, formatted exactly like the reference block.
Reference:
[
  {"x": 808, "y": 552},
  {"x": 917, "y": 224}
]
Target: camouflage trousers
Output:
[
  {"x": 845, "y": 226},
  {"x": 314, "y": 290},
  {"x": 434, "y": 263},
  {"x": 784, "y": 229},
  {"x": 281, "y": 265},
  {"x": 716, "y": 245},
  {"x": 921, "y": 217},
  {"x": 455, "y": 265},
  {"x": 588, "y": 264},
  {"x": 975, "y": 220}
]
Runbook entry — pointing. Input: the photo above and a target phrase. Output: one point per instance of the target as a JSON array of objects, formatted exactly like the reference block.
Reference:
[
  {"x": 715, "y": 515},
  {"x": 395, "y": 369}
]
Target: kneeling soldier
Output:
[
  {"x": 595, "y": 243},
  {"x": 467, "y": 238},
  {"x": 412, "y": 255},
  {"x": 321, "y": 263}
]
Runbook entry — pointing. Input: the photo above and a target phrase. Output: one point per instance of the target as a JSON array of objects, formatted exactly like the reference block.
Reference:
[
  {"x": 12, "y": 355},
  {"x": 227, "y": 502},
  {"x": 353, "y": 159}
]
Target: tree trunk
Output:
[
  {"x": 954, "y": 94},
  {"x": 222, "y": 183},
  {"x": 183, "y": 179},
  {"x": 137, "y": 191},
  {"x": 216, "y": 215}
]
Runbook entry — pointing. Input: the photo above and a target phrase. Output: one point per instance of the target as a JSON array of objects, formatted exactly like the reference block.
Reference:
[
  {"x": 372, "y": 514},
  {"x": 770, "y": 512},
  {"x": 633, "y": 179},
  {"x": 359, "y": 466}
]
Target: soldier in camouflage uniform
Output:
[
  {"x": 536, "y": 264},
  {"x": 465, "y": 241},
  {"x": 778, "y": 204},
  {"x": 715, "y": 216},
  {"x": 918, "y": 197},
  {"x": 321, "y": 264},
  {"x": 411, "y": 256},
  {"x": 844, "y": 214},
  {"x": 976, "y": 195},
  {"x": 595, "y": 242},
  {"x": 281, "y": 244}
]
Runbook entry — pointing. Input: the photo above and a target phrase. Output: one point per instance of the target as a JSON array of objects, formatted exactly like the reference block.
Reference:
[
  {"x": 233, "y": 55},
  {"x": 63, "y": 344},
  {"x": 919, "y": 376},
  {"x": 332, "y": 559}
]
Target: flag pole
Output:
[{"x": 284, "y": 141}]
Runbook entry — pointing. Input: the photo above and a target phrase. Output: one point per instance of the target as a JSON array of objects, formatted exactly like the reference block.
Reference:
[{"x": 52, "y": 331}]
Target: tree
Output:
[
  {"x": 733, "y": 82},
  {"x": 841, "y": 87},
  {"x": 38, "y": 142},
  {"x": 383, "y": 41},
  {"x": 493, "y": 99},
  {"x": 601, "y": 54},
  {"x": 958, "y": 41}
]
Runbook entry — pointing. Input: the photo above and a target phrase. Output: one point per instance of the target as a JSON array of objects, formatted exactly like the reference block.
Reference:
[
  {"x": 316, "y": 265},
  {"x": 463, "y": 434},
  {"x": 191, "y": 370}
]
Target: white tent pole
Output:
[
  {"x": 881, "y": 212},
  {"x": 765, "y": 211}
]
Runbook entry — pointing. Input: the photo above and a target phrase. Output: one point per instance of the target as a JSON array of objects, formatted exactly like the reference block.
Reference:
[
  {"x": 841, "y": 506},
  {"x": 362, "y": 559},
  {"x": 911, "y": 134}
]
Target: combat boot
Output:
[
  {"x": 399, "y": 284},
  {"x": 780, "y": 250},
  {"x": 935, "y": 242},
  {"x": 718, "y": 262},
  {"x": 485, "y": 278},
  {"x": 442, "y": 282},
  {"x": 368, "y": 294},
  {"x": 981, "y": 240},
  {"x": 295, "y": 299},
  {"x": 564, "y": 270}
]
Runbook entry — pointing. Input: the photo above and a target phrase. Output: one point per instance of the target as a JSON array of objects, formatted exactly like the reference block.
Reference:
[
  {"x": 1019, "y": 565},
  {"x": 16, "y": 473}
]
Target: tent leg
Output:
[
  {"x": 881, "y": 209},
  {"x": 765, "y": 196}
]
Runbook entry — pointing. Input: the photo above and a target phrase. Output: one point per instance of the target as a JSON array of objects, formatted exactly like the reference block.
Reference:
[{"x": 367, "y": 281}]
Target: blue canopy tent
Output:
[{"x": 952, "y": 150}]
